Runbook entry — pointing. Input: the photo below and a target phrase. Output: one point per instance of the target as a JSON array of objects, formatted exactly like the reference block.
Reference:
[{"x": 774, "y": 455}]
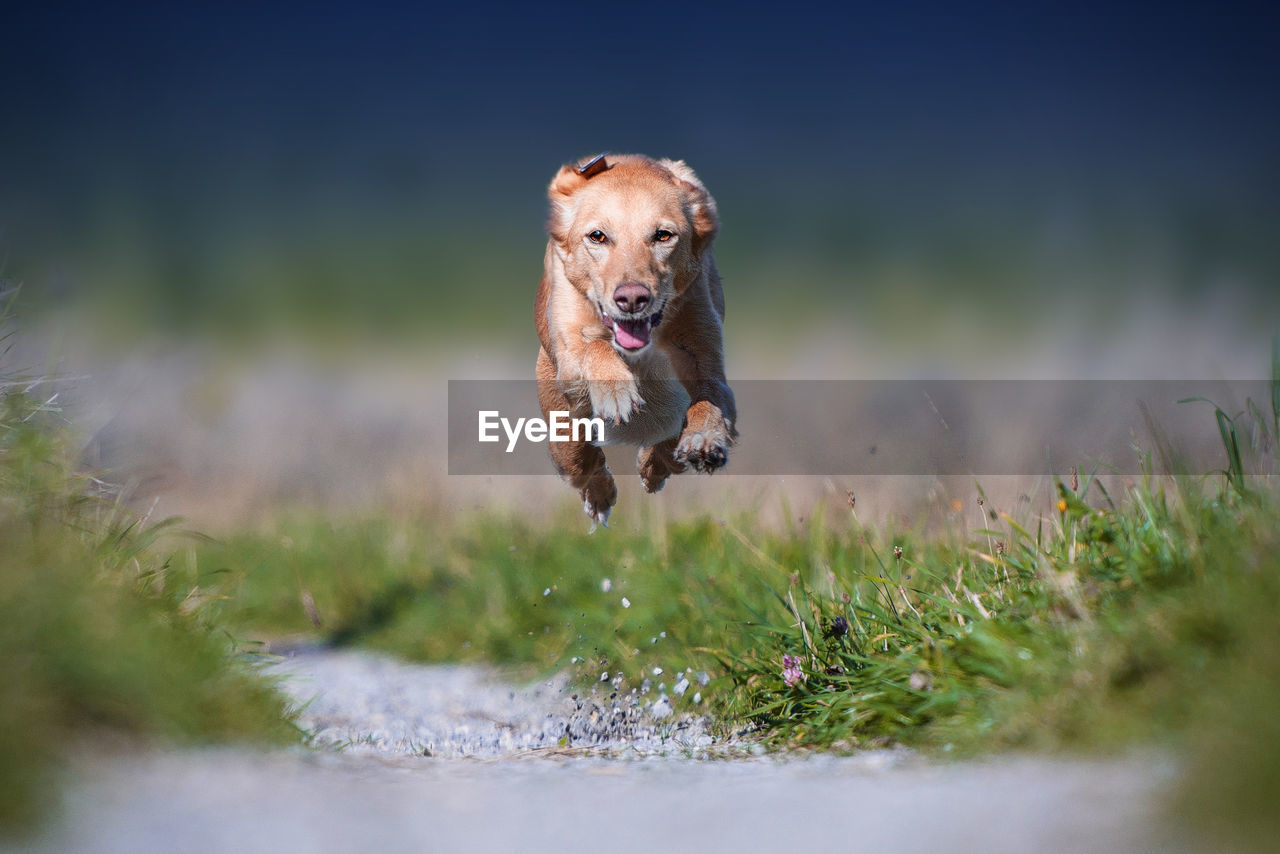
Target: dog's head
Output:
[{"x": 632, "y": 234}]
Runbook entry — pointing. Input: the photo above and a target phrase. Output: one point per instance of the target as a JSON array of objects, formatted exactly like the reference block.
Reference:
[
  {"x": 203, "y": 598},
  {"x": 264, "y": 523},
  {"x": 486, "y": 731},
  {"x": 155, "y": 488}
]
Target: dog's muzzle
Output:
[{"x": 631, "y": 334}]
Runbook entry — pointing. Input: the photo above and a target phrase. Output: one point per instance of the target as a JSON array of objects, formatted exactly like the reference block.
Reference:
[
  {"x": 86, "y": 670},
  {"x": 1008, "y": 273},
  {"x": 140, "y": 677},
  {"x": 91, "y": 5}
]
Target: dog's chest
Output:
[{"x": 665, "y": 403}]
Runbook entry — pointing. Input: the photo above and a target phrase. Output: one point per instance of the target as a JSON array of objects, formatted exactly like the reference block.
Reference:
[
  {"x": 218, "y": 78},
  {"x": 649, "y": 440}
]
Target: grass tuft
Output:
[{"x": 102, "y": 634}]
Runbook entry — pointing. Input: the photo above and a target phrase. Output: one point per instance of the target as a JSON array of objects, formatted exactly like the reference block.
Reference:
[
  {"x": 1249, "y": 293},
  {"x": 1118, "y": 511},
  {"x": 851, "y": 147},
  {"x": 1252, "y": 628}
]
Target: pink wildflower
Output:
[{"x": 791, "y": 672}]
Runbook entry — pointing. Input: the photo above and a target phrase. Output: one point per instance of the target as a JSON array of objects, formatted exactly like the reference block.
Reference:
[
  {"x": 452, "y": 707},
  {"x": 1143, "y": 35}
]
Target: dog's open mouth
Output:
[{"x": 632, "y": 333}]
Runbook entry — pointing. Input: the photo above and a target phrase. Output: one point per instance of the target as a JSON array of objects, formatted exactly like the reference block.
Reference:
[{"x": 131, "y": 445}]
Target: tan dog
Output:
[{"x": 629, "y": 313}]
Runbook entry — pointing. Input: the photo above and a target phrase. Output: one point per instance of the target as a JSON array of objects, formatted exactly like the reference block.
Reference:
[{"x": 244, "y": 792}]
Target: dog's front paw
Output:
[
  {"x": 705, "y": 442},
  {"x": 705, "y": 450},
  {"x": 616, "y": 399}
]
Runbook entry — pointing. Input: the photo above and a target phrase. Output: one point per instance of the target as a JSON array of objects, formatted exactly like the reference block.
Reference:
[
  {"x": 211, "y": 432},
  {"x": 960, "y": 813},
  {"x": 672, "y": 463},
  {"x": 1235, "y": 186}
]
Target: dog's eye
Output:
[
  {"x": 597, "y": 236},
  {"x": 662, "y": 235}
]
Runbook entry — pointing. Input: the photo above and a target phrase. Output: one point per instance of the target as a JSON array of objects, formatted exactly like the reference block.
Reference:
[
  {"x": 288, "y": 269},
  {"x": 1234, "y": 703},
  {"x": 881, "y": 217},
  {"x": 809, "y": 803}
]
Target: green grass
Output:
[
  {"x": 102, "y": 636},
  {"x": 497, "y": 589},
  {"x": 963, "y": 640}
]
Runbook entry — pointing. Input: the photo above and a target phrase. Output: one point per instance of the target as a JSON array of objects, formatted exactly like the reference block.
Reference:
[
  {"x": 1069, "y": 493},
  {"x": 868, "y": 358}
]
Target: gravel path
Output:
[
  {"x": 365, "y": 703},
  {"x": 524, "y": 790}
]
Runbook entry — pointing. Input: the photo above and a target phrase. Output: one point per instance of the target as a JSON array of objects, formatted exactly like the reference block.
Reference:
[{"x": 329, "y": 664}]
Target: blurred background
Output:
[{"x": 269, "y": 233}]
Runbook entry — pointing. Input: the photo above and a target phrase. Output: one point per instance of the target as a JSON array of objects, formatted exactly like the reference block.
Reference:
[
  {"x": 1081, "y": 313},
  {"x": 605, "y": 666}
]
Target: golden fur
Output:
[{"x": 629, "y": 314}]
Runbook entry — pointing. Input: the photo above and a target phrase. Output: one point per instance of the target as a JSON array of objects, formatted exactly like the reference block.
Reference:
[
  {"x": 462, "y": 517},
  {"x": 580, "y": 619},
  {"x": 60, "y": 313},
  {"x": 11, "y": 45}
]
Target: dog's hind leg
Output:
[
  {"x": 657, "y": 462},
  {"x": 583, "y": 466}
]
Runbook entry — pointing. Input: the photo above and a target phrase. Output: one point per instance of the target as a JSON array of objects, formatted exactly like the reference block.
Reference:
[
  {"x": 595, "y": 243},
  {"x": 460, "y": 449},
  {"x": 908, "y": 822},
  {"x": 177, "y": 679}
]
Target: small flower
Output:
[
  {"x": 852, "y": 499},
  {"x": 897, "y": 552},
  {"x": 839, "y": 627},
  {"x": 791, "y": 672},
  {"x": 1062, "y": 505}
]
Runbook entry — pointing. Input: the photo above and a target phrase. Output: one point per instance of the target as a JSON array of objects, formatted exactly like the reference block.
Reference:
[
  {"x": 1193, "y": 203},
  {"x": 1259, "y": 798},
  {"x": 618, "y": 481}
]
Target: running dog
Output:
[{"x": 629, "y": 314}]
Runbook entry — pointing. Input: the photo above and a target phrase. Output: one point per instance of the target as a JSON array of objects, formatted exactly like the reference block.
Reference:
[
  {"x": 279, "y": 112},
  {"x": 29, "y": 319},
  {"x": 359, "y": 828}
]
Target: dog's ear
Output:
[
  {"x": 570, "y": 178},
  {"x": 702, "y": 208},
  {"x": 567, "y": 182}
]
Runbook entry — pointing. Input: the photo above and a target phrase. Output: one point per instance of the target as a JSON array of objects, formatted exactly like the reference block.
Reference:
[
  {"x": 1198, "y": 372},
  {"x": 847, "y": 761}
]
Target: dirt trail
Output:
[{"x": 383, "y": 794}]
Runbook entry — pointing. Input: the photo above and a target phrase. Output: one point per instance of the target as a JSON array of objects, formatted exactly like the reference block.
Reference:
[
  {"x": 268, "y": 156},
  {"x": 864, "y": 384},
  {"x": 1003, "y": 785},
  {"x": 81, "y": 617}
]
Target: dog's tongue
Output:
[{"x": 632, "y": 334}]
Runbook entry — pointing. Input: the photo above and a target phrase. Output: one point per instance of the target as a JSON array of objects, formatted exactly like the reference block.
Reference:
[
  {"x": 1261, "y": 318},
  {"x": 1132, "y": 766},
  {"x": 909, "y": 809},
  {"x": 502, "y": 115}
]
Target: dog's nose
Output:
[{"x": 631, "y": 297}]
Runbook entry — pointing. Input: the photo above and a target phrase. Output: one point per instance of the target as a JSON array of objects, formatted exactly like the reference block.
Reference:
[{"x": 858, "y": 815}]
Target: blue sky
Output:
[{"x": 203, "y": 121}]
